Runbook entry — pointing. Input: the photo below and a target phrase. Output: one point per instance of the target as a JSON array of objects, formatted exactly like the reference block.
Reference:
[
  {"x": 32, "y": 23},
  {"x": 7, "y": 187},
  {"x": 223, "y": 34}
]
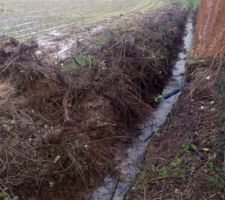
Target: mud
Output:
[
  {"x": 193, "y": 134},
  {"x": 117, "y": 187},
  {"x": 61, "y": 45},
  {"x": 61, "y": 126}
]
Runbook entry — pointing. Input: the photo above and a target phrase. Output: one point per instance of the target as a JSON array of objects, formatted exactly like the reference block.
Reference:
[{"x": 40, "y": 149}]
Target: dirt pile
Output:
[
  {"x": 59, "y": 125},
  {"x": 210, "y": 30}
]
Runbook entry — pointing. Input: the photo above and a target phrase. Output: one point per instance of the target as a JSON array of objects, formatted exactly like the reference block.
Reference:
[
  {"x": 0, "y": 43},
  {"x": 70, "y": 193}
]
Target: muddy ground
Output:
[
  {"x": 185, "y": 159},
  {"x": 57, "y": 46},
  {"x": 62, "y": 125}
]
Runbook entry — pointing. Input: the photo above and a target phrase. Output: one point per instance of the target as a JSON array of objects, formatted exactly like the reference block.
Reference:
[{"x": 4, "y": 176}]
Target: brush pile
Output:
[{"x": 59, "y": 126}]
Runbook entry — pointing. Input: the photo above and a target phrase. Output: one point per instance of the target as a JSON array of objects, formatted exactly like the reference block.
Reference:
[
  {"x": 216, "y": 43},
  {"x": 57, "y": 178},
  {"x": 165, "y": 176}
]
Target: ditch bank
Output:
[
  {"x": 62, "y": 126},
  {"x": 115, "y": 188},
  {"x": 185, "y": 159}
]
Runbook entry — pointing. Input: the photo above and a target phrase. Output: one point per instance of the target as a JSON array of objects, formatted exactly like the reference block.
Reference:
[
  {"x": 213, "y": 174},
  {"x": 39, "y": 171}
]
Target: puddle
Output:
[
  {"x": 56, "y": 45},
  {"x": 97, "y": 29},
  {"x": 114, "y": 189},
  {"x": 61, "y": 46}
]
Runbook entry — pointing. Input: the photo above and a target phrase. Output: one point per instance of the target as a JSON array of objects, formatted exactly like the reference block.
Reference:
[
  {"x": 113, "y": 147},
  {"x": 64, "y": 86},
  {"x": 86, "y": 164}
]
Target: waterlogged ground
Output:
[{"x": 31, "y": 18}]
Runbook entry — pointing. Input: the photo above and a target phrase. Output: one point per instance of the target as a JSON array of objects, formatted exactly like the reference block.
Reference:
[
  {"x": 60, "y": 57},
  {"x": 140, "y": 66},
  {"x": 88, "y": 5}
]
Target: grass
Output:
[
  {"x": 192, "y": 166},
  {"x": 192, "y": 4},
  {"x": 23, "y": 18},
  {"x": 155, "y": 174},
  {"x": 5, "y": 196},
  {"x": 179, "y": 170}
]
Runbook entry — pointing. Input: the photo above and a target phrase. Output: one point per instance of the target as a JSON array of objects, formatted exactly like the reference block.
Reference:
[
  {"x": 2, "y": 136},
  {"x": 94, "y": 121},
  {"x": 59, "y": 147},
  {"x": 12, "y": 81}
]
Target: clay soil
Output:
[{"x": 61, "y": 125}]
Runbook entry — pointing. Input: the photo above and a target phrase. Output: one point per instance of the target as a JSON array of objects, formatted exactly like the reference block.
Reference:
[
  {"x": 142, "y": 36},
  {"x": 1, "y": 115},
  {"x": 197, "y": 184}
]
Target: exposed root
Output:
[{"x": 59, "y": 126}]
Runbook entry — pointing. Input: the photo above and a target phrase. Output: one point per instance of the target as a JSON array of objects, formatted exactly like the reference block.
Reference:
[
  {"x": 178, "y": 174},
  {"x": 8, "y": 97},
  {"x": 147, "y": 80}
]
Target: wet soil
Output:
[
  {"x": 185, "y": 158},
  {"x": 61, "y": 127},
  {"x": 57, "y": 46},
  {"x": 115, "y": 188}
]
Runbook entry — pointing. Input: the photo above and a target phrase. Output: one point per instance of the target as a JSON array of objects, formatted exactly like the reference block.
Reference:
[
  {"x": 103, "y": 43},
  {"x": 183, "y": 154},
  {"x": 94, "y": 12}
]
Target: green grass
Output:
[
  {"x": 34, "y": 17},
  {"x": 191, "y": 4}
]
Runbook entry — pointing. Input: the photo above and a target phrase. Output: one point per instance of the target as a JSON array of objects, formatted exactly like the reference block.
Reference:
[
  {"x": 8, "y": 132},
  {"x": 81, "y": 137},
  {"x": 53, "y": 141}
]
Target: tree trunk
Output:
[{"x": 210, "y": 29}]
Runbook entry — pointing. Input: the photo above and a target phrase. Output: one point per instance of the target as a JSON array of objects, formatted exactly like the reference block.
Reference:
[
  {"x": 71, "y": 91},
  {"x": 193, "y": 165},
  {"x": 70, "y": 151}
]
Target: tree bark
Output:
[{"x": 210, "y": 29}]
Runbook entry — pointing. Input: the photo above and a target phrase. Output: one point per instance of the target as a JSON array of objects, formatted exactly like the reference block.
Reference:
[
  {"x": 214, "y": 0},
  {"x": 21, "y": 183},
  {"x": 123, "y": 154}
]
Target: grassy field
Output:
[{"x": 26, "y": 18}]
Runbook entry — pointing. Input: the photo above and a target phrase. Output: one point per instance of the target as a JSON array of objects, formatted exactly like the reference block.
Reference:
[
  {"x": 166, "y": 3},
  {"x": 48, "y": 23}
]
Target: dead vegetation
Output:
[
  {"x": 59, "y": 125},
  {"x": 185, "y": 159}
]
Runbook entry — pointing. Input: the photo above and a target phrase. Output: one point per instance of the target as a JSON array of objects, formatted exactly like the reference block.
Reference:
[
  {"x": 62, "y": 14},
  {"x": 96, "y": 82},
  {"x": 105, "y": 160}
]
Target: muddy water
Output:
[{"x": 114, "y": 188}]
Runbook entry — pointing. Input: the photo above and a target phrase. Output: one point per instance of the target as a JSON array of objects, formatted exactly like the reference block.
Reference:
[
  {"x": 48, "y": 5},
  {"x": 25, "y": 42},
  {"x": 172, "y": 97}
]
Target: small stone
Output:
[
  {"x": 205, "y": 149},
  {"x": 13, "y": 122},
  {"x": 133, "y": 188},
  {"x": 202, "y": 107},
  {"x": 57, "y": 158},
  {"x": 38, "y": 52},
  {"x": 176, "y": 191},
  {"x": 51, "y": 184},
  {"x": 212, "y": 102},
  {"x": 208, "y": 78},
  {"x": 85, "y": 146}
]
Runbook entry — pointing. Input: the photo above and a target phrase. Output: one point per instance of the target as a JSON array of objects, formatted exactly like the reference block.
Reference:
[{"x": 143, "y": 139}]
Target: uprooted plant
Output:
[{"x": 58, "y": 125}]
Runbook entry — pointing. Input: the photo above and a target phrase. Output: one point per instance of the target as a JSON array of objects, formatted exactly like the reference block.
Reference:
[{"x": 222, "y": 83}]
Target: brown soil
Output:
[
  {"x": 185, "y": 160},
  {"x": 60, "y": 126},
  {"x": 210, "y": 29}
]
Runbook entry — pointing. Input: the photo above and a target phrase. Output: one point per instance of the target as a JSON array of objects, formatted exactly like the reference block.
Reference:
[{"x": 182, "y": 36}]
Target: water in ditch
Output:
[{"x": 114, "y": 189}]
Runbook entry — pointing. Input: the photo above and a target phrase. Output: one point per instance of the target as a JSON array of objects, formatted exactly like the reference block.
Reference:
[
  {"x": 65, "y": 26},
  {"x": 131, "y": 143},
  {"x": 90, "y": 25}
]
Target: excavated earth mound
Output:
[{"x": 60, "y": 125}]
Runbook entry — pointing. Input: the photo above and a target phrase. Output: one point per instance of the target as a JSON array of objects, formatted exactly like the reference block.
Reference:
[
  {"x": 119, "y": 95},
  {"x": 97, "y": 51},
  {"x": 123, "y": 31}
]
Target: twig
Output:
[
  {"x": 78, "y": 166},
  {"x": 108, "y": 138},
  {"x": 7, "y": 65},
  {"x": 108, "y": 50},
  {"x": 220, "y": 66},
  {"x": 115, "y": 187},
  {"x": 65, "y": 107},
  {"x": 207, "y": 71},
  {"x": 145, "y": 193}
]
